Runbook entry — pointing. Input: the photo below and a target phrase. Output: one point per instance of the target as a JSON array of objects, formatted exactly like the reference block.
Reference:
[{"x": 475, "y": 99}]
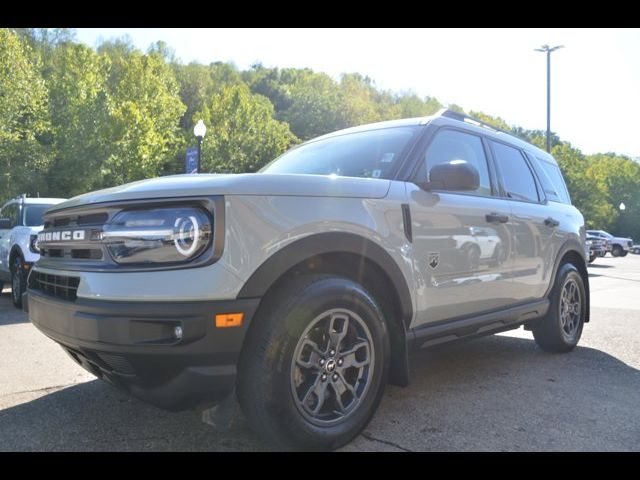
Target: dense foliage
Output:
[{"x": 73, "y": 119}]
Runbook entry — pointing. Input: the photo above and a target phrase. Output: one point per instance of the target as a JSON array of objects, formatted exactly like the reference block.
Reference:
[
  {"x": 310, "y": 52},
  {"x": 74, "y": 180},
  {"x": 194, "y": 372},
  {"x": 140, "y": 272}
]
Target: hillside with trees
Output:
[{"x": 75, "y": 119}]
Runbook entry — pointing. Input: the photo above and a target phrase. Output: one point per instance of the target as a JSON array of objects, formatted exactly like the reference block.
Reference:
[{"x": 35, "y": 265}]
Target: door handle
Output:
[
  {"x": 551, "y": 222},
  {"x": 496, "y": 218}
]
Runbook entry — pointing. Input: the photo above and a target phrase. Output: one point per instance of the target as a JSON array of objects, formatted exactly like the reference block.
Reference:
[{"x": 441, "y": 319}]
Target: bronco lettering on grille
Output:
[{"x": 65, "y": 236}]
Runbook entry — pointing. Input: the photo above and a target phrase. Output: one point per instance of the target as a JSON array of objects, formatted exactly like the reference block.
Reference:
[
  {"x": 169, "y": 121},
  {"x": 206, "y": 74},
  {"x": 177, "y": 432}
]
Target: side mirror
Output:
[
  {"x": 5, "y": 223},
  {"x": 456, "y": 175}
]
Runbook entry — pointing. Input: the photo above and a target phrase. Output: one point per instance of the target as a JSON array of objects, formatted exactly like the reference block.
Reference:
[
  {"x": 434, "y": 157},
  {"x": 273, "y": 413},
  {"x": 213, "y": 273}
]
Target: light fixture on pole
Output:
[
  {"x": 199, "y": 131},
  {"x": 548, "y": 50}
]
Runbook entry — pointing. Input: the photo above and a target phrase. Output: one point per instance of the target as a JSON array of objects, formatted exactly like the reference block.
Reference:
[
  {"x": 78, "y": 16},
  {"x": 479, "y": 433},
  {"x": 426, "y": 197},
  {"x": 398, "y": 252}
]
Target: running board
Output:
[{"x": 485, "y": 324}]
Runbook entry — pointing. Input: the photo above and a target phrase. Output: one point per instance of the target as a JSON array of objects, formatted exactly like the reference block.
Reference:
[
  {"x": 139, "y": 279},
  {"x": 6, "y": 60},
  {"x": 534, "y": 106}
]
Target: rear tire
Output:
[
  {"x": 18, "y": 282},
  {"x": 616, "y": 251},
  {"x": 288, "y": 378},
  {"x": 623, "y": 253},
  {"x": 560, "y": 329}
]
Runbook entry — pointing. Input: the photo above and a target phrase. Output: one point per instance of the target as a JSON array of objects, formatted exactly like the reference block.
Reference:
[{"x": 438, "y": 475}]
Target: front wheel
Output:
[
  {"x": 18, "y": 282},
  {"x": 314, "y": 364},
  {"x": 592, "y": 257},
  {"x": 560, "y": 329}
]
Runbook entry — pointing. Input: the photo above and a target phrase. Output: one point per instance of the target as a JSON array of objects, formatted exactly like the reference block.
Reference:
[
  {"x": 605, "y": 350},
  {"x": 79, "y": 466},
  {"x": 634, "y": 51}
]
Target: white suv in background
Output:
[
  {"x": 20, "y": 222},
  {"x": 620, "y": 246}
]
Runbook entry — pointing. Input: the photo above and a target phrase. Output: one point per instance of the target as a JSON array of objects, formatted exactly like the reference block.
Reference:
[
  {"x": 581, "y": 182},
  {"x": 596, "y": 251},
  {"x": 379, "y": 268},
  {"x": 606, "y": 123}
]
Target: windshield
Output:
[
  {"x": 368, "y": 154},
  {"x": 33, "y": 214}
]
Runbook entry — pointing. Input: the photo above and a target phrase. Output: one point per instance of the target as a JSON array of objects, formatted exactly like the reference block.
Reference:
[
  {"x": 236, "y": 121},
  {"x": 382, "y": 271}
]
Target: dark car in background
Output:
[{"x": 596, "y": 247}]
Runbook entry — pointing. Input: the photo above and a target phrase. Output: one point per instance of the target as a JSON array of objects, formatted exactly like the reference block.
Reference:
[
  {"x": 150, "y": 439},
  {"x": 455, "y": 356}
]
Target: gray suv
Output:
[{"x": 300, "y": 290}]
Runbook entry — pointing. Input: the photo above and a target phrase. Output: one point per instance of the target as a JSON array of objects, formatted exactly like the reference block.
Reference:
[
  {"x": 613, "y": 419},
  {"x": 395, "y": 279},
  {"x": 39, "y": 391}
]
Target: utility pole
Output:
[{"x": 548, "y": 50}]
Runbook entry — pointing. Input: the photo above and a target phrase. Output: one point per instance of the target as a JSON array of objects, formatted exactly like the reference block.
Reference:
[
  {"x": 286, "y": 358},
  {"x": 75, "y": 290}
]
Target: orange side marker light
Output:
[{"x": 224, "y": 320}]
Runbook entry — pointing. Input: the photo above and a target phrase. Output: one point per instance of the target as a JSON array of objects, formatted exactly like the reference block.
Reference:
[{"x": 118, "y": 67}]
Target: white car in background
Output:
[
  {"x": 20, "y": 222},
  {"x": 620, "y": 246}
]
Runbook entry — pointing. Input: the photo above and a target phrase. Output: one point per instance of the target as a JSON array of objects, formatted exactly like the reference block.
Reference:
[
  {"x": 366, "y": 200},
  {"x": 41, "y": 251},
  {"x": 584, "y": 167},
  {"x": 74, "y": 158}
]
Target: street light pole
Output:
[
  {"x": 199, "y": 131},
  {"x": 548, "y": 50}
]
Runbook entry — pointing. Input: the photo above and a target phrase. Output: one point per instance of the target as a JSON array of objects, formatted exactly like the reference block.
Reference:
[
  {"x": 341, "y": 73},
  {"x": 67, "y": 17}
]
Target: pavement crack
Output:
[
  {"x": 43, "y": 389},
  {"x": 371, "y": 438}
]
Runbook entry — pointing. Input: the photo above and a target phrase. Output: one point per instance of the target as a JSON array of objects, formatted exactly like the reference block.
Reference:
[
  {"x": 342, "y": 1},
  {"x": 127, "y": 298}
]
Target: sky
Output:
[{"x": 595, "y": 78}]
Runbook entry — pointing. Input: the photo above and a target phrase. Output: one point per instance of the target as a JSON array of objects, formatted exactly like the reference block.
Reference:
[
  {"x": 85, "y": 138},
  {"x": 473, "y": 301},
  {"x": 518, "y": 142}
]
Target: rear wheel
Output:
[
  {"x": 560, "y": 329},
  {"x": 623, "y": 253},
  {"x": 616, "y": 251},
  {"x": 314, "y": 363},
  {"x": 18, "y": 281}
]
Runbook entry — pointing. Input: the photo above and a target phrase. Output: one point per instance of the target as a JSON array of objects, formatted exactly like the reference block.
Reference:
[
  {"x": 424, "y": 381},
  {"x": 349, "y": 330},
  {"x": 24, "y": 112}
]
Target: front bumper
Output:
[{"x": 133, "y": 344}]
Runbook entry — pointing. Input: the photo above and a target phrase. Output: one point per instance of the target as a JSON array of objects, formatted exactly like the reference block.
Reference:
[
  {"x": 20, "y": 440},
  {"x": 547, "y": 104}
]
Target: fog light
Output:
[{"x": 177, "y": 332}]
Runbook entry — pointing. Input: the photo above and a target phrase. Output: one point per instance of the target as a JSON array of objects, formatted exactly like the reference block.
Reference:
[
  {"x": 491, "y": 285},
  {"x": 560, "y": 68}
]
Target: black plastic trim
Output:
[
  {"x": 131, "y": 344},
  {"x": 331, "y": 242},
  {"x": 406, "y": 222},
  {"x": 483, "y": 324}
]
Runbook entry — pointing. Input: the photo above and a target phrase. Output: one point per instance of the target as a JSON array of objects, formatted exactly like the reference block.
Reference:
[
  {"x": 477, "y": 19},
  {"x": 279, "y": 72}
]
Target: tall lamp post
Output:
[
  {"x": 548, "y": 50},
  {"x": 199, "y": 131}
]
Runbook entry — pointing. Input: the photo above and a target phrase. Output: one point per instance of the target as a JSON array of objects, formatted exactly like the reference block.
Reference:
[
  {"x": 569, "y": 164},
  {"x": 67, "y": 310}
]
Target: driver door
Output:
[{"x": 461, "y": 240}]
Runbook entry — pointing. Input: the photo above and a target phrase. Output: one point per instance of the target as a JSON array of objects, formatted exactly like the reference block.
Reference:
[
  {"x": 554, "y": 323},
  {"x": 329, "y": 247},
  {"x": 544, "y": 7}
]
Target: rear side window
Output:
[
  {"x": 552, "y": 181},
  {"x": 11, "y": 212},
  {"x": 517, "y": 177}
]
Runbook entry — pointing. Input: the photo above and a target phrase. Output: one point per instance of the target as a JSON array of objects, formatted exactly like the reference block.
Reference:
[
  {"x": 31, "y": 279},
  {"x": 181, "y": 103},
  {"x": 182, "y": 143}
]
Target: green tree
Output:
[
  {"x": 242, "y": 135},
  {"x": 78, "y": 104},
  {"x": 315, "y": 106},
  {"x": 24, "y": 120},
  {"x": 144, "y": 111},
  {"x": 357, "y": 103}
]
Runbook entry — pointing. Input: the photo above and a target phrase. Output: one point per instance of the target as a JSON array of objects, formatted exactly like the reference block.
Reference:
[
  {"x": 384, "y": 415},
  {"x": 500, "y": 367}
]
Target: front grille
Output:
[
  {"x": 116, "y": 363},
  {"x": 59, "y": 286},
  {"x": 99, "y": 218}
]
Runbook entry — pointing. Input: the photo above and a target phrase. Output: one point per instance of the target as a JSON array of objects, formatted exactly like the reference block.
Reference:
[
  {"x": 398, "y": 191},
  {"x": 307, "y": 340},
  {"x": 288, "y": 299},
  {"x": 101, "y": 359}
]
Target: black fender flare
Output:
[{"x": 329, "y": 242}]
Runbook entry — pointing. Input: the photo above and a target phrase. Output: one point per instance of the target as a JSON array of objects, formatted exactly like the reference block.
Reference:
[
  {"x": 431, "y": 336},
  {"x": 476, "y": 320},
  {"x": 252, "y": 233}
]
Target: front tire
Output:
[
  {"x": 18, "y": 282},
  {"x": 561, "y": 328},
  {"x": 314, "y": 363},
  {"x": 592, "y": 257}
]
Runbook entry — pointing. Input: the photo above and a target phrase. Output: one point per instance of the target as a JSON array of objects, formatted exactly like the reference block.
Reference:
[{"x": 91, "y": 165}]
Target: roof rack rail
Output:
[{"x": 462, "y": 117}]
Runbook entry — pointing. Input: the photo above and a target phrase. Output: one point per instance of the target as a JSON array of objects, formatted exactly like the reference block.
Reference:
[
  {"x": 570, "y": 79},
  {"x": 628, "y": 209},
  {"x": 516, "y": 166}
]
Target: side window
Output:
[
  {"x": 11, "y": 212},
  {"x": 551, "y": 174},
  {"x": 517, "y": 178},
  {"x": 454, "y": 145}
]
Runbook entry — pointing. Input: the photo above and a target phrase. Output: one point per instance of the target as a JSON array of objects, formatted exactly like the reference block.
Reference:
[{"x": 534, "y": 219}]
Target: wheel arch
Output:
[
  {"x": 572, "y": 252},
  {"x": 15, "y": 252},
  {"x": 354, "y": 257}
]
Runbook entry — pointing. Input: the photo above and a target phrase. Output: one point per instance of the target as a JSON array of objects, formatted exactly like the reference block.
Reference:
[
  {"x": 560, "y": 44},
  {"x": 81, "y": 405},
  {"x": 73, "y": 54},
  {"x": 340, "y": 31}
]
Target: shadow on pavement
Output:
[
  {"x": 599, "y": 265},
  {"x": 8, "y": 313},
  {"x": 495, "y": 393}
]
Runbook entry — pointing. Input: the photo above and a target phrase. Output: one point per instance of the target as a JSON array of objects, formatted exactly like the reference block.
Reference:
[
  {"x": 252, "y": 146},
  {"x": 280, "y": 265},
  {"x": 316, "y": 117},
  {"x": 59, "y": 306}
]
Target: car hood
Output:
[{"x": 236, "y": 184}]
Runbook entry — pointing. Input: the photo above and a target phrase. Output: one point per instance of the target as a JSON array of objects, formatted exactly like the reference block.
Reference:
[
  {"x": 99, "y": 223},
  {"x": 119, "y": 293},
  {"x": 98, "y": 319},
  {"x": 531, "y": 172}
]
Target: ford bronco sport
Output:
[{"x": 301, "y": 289}]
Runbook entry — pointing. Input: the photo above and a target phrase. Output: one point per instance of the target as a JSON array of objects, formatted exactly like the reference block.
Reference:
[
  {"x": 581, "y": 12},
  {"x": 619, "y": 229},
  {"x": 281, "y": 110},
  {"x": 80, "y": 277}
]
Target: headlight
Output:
[
  {"x": 33, "y": 244},
  {"x": 158, "y": 236},
  {"x": 589, "y": 242}
]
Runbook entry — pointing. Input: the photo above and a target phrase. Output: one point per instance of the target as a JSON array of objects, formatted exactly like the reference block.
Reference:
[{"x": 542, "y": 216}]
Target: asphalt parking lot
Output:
[{"x": 493, "y": 394}]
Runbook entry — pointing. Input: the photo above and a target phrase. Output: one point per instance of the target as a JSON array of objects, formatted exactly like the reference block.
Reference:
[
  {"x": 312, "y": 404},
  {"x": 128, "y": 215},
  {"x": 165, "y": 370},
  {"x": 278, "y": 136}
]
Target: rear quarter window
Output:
[{"x": 551, "y": 179}]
